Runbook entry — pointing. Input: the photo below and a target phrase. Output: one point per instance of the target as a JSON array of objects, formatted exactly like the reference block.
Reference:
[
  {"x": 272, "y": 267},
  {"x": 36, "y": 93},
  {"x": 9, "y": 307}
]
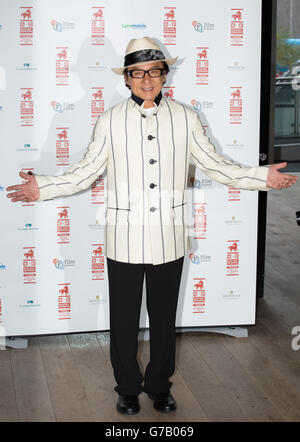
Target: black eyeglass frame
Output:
[{"x": 162, "y": 70}]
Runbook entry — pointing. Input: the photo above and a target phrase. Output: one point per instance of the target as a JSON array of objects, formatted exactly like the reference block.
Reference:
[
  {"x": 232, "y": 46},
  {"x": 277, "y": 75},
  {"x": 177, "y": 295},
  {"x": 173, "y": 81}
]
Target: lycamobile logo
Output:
[{"x": 138, "y": 26}]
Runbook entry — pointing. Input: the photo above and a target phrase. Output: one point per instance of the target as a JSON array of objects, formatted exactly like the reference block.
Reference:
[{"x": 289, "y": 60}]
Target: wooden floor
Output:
[{"x": 218, "y": 378}]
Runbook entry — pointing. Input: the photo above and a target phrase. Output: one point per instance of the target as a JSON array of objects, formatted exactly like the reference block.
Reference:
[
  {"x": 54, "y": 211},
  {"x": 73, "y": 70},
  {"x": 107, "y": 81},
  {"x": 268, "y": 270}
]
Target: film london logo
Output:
[
  {"x": 97, "y": 191},
  {"x": 199, "y": 295},
  {"x": 169, "y": 26},
  {"x": 97, "y": 103},
  {"x": 233, "y": 258},
  {"x": 235, "y": 105},
  {"x": 26, "y": 107},
  {"x": 64, "y": 301},
  {"x": 63, "y": 226},
  {"x": 233, "y": 194},
  {"x": 236, "y": 27},
  {"x": 29, "y": 265},
  {"x": 97, "y": 262},
  {"x": 62, "y": 66},
  {"x": 202, "y": 66},
  {"x": 62, "y": 147},
  {"x": 200, "y": 221},
  {"x": 30, "y": 171},
  {"x": 98, "y": 26},
  {"x": 26, "y": 26},
  {"x": 169, "y": 92}
]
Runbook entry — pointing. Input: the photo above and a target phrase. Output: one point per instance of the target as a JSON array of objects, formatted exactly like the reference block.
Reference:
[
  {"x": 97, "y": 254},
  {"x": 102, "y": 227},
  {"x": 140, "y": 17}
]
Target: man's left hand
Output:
[{"x": 278, "y": 180}]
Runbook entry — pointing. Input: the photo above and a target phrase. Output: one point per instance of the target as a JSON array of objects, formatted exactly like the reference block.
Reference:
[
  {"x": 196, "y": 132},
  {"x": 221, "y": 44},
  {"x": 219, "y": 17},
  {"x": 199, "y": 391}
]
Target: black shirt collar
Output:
[{"x": 140, "y": 101}]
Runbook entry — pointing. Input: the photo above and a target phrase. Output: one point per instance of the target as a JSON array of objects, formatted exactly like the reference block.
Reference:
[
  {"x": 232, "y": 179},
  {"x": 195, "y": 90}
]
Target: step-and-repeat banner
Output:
[{"x": 55, "y": 80}]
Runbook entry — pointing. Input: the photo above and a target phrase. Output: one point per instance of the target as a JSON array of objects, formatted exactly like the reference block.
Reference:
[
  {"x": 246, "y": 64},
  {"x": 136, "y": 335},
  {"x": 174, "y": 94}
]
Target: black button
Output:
[
  {"x": 150, "y": 137},
  {"x": 144, "y": 116},
  {"x": 152, "y": 161},
  {"x": 152, "y": 185},
  {"x": 152, "y": 209}
]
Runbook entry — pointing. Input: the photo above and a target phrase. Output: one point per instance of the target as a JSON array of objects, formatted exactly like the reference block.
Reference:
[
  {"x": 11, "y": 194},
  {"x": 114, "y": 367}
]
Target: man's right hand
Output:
[{"x": 26, "y": 192}]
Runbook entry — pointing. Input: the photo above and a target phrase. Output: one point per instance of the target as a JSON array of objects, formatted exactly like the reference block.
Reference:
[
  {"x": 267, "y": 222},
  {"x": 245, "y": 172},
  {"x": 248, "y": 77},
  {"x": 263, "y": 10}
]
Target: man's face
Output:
[{"x": 146, "y": 88}]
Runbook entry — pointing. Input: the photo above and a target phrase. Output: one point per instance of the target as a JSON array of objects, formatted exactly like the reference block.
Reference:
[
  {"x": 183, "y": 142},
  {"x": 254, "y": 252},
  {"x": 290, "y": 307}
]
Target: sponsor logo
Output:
[
  {"x": 235, "y": 145},
  {"x": 199, "y": 295},
  {"x": 61, "y": 265},
  {"x": 98, "y": 26},
  {"x": 28, "y": 227},
  {"x": 62, "y": 147},
  {"x": 63, "y": 225},
  {"x": 1, "y": 188},
  {"x": 27, "y": 148},
  {"x": 203, "y": 27},
  {"x": 26, "y": 26},
  {"x": 60, "y": 26},
  {"x": 236, "y": 27},
  {"x": 97, "y": 67},
  {"x": 234, "y": 221},
  {"x": 231, "y": 295},
  {"x": 198, "y": 184},
  {"x": 26, "y": 67},
  {"x": 64, "y": 301},
  {"x": 233, "y": 258},
  {"x": 235, "y": 67},
  {"x": 98, "y": 300},
  {"x": 61, "y": 107},
  {"x": 2, "y": 266},
  {"x": 135, "y": 26},
  {"x": 29, "y": 265},
  {"x": 196, "y": 259},
  {"x": 26, "y": 107},
  {"x": 97, "y": 262},
  {"x": 202, "y": 66},
  {"x": 169, "y": 26},
  {"x": 201, "y": 105},
  {"x": 29, "y": 303}
]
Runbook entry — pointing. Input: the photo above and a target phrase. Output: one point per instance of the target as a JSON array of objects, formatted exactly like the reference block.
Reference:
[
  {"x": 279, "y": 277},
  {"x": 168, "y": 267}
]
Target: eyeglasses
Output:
[{"x": 153, "y": 73}]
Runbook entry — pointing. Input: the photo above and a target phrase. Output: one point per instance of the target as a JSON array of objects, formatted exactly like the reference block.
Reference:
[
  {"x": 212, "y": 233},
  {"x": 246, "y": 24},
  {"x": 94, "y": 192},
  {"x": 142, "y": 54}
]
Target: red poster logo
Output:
[
  {"x": 26, "y": 26},
  {"x": 235, "y": 105},
  {"x": 169, "y": 92},
  {"x": 64, "y": 301},
  {"x": 62, "y": 66},
  {"x": 62, "y": 147},
  {"x": 199, "y": 295},
  {"x": 236, "y": 27},
  {"x": 26, "y": 107},
  {"x": 200, "y": 221},
  {"x": 202, "y": 66},
  {"x": 29, "y": 265},
  {"x": 63, "y": 226},
  {"x": 169, "y": 26},
  {"x": 234, "y": 194},
  {"x": 98, "y": 26},
  {"x": 97, "y": 191},
  {"x": 233, "y": 258},
  {"x": 97, "y": 103},
  {"x": 97, "y": 262}
]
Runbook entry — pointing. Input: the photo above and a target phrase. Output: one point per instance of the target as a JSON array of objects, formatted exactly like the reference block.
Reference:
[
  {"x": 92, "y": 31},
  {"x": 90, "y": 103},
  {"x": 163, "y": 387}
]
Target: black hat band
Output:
[{"x": 143, "y": 55}]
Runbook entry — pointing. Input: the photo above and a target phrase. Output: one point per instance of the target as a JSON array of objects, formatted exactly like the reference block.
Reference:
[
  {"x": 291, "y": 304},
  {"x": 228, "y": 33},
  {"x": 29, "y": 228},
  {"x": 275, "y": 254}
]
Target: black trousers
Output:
[{"x": 125, "y": 294}]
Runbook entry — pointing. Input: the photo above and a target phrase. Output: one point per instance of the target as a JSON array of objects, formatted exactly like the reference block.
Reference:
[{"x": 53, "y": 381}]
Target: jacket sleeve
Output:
[
  {"x": 224, "y": 171},
  {"x": 80, "y": 175}
]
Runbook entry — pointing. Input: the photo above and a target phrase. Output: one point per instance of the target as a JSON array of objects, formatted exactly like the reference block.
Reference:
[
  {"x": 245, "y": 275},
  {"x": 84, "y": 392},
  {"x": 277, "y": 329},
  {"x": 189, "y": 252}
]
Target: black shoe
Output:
[
  {"x": 128, "y": 404},
  {"x": 163, "y": 402}
]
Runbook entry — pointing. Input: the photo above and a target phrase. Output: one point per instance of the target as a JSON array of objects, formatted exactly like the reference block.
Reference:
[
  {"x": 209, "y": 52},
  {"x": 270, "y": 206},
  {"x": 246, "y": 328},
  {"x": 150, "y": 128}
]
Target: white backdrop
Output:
[{"x": 55, "y": 79}]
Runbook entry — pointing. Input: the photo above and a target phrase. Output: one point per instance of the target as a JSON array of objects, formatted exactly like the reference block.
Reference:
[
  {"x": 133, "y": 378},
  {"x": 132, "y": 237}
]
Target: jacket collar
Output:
[{"x": 140, "y": 101}]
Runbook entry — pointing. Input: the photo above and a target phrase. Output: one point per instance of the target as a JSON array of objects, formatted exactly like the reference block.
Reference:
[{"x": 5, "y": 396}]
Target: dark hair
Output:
[{"x": 165, "y": 67}]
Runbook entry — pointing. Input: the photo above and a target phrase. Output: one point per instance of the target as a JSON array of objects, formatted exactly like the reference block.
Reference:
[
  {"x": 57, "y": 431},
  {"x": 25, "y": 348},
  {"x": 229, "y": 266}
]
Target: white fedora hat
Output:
[{"x": 140, "y": 51}]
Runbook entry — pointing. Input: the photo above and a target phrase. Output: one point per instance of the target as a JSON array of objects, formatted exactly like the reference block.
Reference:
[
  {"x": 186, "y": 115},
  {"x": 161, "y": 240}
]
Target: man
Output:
[{"x": 146, "y": 143}]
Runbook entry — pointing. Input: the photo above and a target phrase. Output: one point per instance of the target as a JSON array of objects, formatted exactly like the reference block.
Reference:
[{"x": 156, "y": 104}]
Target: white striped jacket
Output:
[{"x": 147, "y": 160}]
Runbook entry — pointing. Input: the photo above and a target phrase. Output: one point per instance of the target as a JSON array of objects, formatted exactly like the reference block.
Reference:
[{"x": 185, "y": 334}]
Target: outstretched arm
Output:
[{"x": 78, "y": 177}]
